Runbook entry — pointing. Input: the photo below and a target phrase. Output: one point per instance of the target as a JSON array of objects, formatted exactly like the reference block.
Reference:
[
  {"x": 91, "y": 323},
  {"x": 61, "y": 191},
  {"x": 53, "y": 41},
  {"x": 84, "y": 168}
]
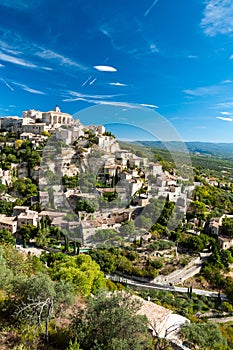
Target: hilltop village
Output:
[
  {"x": 124, "y": 180},
  {"x": 86, "y": 183},
  {"x": 136, "y": 217}
]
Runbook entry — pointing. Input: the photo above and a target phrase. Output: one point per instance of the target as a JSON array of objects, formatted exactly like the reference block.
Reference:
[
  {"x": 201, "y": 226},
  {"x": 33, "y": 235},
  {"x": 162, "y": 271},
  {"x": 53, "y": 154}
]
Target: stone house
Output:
[
  {"x": 225, "y": 242},
  {"x": 29, "y": 217},
  {"x": 8, "y": 222}
]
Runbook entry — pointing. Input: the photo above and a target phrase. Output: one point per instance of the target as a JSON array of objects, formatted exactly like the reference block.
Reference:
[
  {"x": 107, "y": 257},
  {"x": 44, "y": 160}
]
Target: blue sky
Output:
[{"x": 173, "y": 58}]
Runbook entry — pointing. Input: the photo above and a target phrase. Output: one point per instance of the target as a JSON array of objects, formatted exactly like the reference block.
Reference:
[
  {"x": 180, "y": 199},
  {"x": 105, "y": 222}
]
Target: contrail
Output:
[
  {"x": 86, "y": 81},
  {"x": 6, "y": 83},
  {"x": 92, "y": 82},
  {"x": 150, "y": 8}
]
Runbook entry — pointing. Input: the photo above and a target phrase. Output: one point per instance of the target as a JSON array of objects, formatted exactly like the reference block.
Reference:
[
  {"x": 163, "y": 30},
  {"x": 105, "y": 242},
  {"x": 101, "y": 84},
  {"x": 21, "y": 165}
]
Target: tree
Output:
[
  {"x": 73, "y": 345},
  {"x": 3, "y": 188},
  {"x": 20, "y": 263},
  {"x": 81, "y": 271},
  {"x": 227, "y": 227},
  {"x": 110, "y": 322},
  {"x": 27, "y": 231},
  {"x": 5, "y": 272},
  {"x": 143, "y": 222},
  {"x": 128, "y": 229},
  {"x": 7, "y": 237},
  {"x": 6, "y": 207},
  {"x": 42, "y": 239},
  {"x": 38, "y": 299},
  {"x": 18, "y": 144},
  {"x": 198, "y": 208},
  {"x": 204, "y": 335},
  {"x": 33, "y": 159},
  {"x": 45, "y": 133},
  {"x": 105, "y": 259}
]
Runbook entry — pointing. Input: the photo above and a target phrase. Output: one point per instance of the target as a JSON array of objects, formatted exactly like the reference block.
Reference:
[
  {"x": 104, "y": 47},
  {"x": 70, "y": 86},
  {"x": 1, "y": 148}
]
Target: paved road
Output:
[
  {"x": 152, "y": 286},
  {"x": 221, "y": 319},
  {"x": 178, "y": 276}
]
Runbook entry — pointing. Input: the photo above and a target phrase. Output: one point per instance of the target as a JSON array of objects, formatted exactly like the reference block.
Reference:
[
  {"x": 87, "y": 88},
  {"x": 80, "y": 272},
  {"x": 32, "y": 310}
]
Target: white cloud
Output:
[
  {"x": 148, "y": 105},
  {"x": 7, "y": 48},
  {"x": 225, "y": 119},
  {"x": 98, "y": 100},
  {"x": 34, "y": 52},
  {"x": 227, "y": 81},
  {"x": 16, "y": 60},
  {"x": 224, "y": 113},
  {"x": 228, "y": 104},
  {"x": 103, "y": 102},
  {"x": 192, "y": 56},
  {"x": 218, "y": 17},
  {"x": 76, "y": 96},
  {"x": 153, "y": 48},
  {"x": 1, "y": 65},
  {"x": 28, "y": 89},
  {"x": 62, "y": 60},
  {"x": 201, "y": 91},
  {"x": 47, "y": 68},
  {"x": 105, "y": 68},
  {"x": 117, "y": 84}
]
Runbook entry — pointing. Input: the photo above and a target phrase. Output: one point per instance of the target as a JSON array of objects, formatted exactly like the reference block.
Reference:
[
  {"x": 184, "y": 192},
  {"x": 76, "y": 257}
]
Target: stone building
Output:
[
  {"x": 8, "y": 222},
  {"x": 56, "y": 117},
  {"x": 11, "y": 123},
  {"x": 28, "y": 217},
  {"x": 32, "y": 114}
]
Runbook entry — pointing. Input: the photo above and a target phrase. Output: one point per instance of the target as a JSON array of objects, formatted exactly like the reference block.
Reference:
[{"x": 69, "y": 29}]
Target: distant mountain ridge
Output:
[{"x": 203, "y": 148}]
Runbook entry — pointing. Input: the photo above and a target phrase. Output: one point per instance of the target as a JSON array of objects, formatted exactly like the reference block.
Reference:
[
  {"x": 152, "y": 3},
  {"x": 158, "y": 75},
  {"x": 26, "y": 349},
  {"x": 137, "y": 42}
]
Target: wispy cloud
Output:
[
  {"x": 224, "y": 113},
  {"x": 47, "y": 68},
  {"x": 37, "y": 56},
  {"x": 192, "y": 56},
  {"x": 20, "y": 4},
  {"x": 226, "y": 104},
  {"x": 103, "y": 102},
  {"x": 9, "y": 49},
  {"x": 117, "y": 84},
  {"x": 153, "y": 48},
  {"x": 201, "y": 91},
  {"x": 105, "y": 68},
  {"x": 150, "y": 8},
  {"x": 227, "y": 81},
  {"x": 16, "y": 60},
  {"x": 60, "y": 59},
  {"x": 77, "y": 96},
  {"x": 218, "y": 17},
  {"x": 7, "y": 84},
  {"x": 99, "y": 100},
  {"x": 129, "y": 35},
  {"x": 148, "y": 105},
  {"x": 28, "y": 89},
  {"x": 227, "y": 119}
]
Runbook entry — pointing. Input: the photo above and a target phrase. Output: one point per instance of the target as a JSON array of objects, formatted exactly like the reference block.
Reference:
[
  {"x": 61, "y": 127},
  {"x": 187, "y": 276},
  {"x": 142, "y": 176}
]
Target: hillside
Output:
[{"x": 224, "y": 150}]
